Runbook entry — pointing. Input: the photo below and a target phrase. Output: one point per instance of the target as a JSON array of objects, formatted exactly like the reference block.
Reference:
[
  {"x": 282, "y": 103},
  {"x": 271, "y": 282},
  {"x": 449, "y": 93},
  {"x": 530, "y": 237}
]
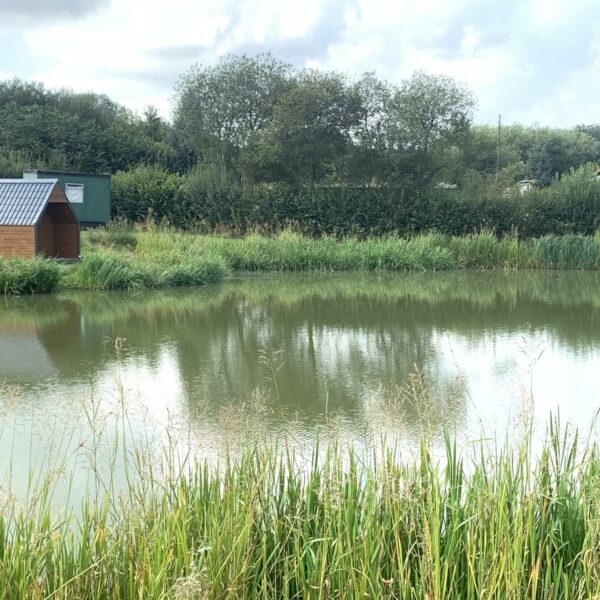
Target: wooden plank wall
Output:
[
  {"x": 46, "y": 236},
  {"x": 66, "y": 240},
  {"x": 17, "y": 241},
  {"x": 58, "y": 195}
]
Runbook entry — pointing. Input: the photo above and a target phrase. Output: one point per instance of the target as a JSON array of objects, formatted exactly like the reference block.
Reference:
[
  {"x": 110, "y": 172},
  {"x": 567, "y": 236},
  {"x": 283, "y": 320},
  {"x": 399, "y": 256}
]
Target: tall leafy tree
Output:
[
  {"x": 221, "y": 109},
  {"x": 429, "y": 115},
  {"x": 363, "y": 161},
  {"x": 311, "y": 127},
  {"x": 86, "y": 132},
  {"x": 539, "y": 164}
]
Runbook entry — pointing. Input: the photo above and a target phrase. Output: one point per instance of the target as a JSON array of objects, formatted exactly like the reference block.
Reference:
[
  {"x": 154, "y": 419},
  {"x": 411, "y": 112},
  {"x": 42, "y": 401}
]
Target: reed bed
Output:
[
  {"x": 292, "y": 252},
  {"x": 18, "y": 276},
  {"x": 347, "y": 525},
  {"x": 108, "y": 270},
  {"x": 117, "y": 258},
  {"x": 428, "y": 252}
]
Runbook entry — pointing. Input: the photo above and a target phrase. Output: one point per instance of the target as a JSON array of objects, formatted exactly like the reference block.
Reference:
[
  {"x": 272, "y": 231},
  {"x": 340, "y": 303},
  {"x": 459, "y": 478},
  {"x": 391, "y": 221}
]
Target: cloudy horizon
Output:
[{"x": 533, "y": 61}]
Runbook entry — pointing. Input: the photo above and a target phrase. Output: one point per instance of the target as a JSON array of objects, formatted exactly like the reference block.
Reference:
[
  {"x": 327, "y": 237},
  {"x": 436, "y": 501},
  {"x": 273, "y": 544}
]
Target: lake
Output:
[{"x": 353, "y": 356}]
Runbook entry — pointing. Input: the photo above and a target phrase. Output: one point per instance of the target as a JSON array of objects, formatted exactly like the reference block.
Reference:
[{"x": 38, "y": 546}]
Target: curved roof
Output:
[{"x": 22, "y": 201}]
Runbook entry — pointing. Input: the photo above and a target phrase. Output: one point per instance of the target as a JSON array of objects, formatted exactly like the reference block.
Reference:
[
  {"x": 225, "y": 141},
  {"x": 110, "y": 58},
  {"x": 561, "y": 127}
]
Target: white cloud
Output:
[
  {"x": 529, "y": 59},
  {"x": 469, "y": 41}
]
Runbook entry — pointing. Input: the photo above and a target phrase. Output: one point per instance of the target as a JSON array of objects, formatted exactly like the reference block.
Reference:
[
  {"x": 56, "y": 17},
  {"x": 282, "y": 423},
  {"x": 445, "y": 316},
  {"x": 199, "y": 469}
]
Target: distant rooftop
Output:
[{"x": 63, "y": 173}]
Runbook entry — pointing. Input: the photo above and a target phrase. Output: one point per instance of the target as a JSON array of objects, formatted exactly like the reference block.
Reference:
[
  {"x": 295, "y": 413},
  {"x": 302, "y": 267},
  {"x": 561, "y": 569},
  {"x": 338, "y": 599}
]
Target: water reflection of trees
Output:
[{"x": 337, "y": 339}]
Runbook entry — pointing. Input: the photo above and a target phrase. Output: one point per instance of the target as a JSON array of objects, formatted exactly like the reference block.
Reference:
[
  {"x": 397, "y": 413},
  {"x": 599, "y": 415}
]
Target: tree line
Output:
[{"x": 252, "y": 128}]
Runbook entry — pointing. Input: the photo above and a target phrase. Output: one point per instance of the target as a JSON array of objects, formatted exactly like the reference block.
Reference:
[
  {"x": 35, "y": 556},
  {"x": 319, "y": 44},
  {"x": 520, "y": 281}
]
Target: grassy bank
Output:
[
  {"x": 431, "y": 252},
  {"x": 267, "y": 526},
  {"x": 117, "y": 258},
  {"x": 28, "y": 276}
]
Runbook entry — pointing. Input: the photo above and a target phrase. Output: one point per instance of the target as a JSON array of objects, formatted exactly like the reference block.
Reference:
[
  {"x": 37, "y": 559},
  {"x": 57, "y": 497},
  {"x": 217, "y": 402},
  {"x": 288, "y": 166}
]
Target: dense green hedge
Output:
[{"x": 210, "y": 200}]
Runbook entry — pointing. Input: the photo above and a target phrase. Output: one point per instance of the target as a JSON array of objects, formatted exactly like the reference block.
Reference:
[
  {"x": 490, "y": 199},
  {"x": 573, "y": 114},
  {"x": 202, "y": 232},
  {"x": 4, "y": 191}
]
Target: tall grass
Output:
[
  {"x": 118, "y": 258},
  {"x": 430, "y": 252},
  {"x": 117, "y": 234},
  {"x": 567, "y": 251},
  {"x": 37, "y": 276},
  {"x": 348, "y": 525},
  {"x": 122, "y": 259},
  {"x": 104, "y": 271},
  {"x": 113, "y": 271},
  {"x": 293, "y": 252}
]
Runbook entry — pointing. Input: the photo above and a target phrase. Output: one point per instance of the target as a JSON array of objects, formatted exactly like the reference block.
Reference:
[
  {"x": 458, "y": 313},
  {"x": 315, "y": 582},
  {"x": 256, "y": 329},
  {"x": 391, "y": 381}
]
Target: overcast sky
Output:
[{"x": 534, "y": 61}]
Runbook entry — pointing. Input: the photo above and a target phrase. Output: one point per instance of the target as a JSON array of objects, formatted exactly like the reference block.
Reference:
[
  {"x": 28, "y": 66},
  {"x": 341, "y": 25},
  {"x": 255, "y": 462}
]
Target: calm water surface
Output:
[{"x": 357, "y": 356}]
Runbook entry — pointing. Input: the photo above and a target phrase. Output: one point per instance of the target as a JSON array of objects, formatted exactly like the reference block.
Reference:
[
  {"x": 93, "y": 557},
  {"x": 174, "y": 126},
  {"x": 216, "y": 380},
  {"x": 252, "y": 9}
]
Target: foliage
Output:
[
  {"x": 162, "y": 257},
  {"x": 539, "y": 165},
  {"x": 156, "y": 261},
  {"x": 429, "y": 116},
  {"x": 80, "y": 132},
  {"x": 147, "y": 192},
  {"x": 343, "y": 522},
  {"x": 212, "y": 201},
  {"x": 263, "y": 121},
  {"x": 104, "y": 271},
  {"x": 116, "y": 234},
  {"x": 37, "y": 276},
  {"x": 310, "y": 128},
  {"x": 14, "y": 162},
  {"x": 258, "y": 144},
  {"x": 292, "y": 252},
  {"x": 221, "y": 109},
  {"x": 567, "y": 149},
  {"x": 212, "y": 197}
]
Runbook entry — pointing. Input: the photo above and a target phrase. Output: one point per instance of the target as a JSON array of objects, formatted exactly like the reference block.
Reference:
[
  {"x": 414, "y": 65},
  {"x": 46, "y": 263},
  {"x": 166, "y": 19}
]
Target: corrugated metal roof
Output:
[{"x": 22, "y": 201}]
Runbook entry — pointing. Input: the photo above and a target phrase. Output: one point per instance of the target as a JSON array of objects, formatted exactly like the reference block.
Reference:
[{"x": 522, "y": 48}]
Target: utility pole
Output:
[{"x": 498, "y": 147}]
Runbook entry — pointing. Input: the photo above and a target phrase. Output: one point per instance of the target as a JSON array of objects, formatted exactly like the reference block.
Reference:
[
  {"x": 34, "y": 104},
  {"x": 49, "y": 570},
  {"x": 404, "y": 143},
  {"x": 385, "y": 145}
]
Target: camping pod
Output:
[{"x": 36, "y": 218}]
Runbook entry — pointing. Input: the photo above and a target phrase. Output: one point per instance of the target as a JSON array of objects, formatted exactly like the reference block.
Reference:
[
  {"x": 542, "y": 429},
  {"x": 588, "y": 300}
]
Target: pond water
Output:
[{"x": 357, "y": 356}]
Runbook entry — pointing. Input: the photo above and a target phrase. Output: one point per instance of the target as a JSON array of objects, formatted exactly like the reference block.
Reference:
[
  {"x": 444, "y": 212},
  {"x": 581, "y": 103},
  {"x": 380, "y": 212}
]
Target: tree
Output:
[
  {"x": 592, "y": 130},
  {"x": 539, "y": 164},
  {"x": 219, "y": 110},
  {"x": 82, "y": 132},
  {"x": 363, "y": 160},
  {"x": 311, "y": 127},
  {"x": 429, "y": 115}
]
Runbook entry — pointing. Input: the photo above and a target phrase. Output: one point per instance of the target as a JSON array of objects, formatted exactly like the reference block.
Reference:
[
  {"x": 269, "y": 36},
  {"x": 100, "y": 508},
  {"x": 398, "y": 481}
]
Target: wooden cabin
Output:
[{"x": 36, "y": 218}]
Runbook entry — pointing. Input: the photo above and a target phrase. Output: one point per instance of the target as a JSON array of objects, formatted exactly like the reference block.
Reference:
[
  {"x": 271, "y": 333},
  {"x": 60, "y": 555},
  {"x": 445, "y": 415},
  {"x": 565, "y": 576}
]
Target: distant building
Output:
[
  {"x": 526, "y": 185},
  {"x": 89, "y": 194}
]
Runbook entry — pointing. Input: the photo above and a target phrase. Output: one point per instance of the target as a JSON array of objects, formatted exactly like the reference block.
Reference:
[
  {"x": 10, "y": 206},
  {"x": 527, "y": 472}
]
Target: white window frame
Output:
[{"x": 77, "y": 192}]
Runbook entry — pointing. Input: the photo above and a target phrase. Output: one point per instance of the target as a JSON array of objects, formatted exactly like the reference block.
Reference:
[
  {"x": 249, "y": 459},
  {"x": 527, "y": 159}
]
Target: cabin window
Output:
[{"x": 74, "y": 192}]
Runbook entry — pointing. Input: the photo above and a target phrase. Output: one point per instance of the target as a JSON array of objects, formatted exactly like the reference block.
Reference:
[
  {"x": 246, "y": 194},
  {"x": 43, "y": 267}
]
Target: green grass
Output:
[
  {"x": 117, "y": 258},
  {"x": 431, "y": 252},
  {"x": 104, "y": 271},
  {"x": 153, "y": 261},
  {"x": 346, "y": 525},
  {"x": 292, "y": 252},
  {"x": 37, "y": 276},
  {"x": 117, "y": 234}
]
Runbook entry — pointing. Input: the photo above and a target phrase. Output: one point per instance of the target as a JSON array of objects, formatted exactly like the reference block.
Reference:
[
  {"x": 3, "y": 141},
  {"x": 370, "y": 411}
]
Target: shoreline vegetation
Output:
[
  {"x": 272, "y": 523},
  {"x": 119, "y": 258}
]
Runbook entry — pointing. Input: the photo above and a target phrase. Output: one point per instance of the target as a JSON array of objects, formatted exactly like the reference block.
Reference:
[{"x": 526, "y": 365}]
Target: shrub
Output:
[
  {"x": 145, "y": 191},
  {"x": 214, "y": 200}
]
